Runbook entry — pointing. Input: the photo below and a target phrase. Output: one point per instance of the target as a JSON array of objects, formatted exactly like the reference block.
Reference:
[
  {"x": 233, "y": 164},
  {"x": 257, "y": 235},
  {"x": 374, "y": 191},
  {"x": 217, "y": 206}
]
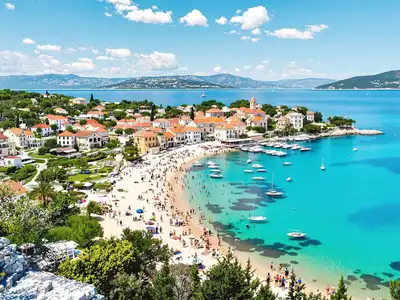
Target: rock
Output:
[{"x": 4, "y": 241}]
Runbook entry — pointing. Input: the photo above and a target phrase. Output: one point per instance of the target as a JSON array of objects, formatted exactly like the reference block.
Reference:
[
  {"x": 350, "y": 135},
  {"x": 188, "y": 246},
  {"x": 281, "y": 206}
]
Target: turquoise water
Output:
[{"x": 351, "y": 212}]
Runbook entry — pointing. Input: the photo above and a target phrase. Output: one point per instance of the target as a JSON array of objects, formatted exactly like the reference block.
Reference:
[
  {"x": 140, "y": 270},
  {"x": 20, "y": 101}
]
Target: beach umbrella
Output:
[
  {"x": 150, "y": 228},
  {"x": 139, "y": 211}
]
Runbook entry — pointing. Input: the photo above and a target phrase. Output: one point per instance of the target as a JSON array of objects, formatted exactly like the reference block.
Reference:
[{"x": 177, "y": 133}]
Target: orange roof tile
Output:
[
  {"x": 67, "y": 133},
  {"x": 189, "y": 129},
  {"x": 84, "y": 133},
  {"x": 42, "y": 126},
  {"x": 214, "y": 110},
  {"x": 3, "y": 137},
  {"x": 55, "y": 117},
  {"x": 209, "y": 120},
  {"x": 169, "y": 135},
  {"x": 17, "y": 188},
  {"x": 16, "y": 131},
  {"x": 225, "y": 126},
  {"x": 96, "y": 113},
  {"x": 145, "y": 133},
  {"x": 28, "y": 132}
]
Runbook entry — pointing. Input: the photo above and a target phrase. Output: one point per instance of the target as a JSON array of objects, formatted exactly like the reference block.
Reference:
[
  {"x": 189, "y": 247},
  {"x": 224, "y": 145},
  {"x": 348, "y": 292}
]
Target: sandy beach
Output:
[{"x": 155, "y": 186}]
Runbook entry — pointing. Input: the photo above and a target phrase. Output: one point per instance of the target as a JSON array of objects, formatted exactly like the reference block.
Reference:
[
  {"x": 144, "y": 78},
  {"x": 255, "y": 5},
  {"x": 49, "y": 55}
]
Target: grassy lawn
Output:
[
  {"x": 35, "y": 155},
  {"x": 39, "y": 161},
  {"x": 85, "y": 177},
  {"x": 29, "y": 179}
]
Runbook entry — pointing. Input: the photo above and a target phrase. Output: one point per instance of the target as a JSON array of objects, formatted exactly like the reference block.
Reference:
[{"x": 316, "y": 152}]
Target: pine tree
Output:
[
  {"x": 163, "y": 287},
  {"x": 17, "y": 121},
  {"x": 153, "y": 112},
  {"x": 265, "y": 293},
  {"x": 192, "y": 113},
  {"x": 91, "y": 97},
  {"x": 195, "y": 279},
  {"x": 395, "y": 290},
  {"x": 341, "y": 292},
  {"x": 296, "y": 291}
]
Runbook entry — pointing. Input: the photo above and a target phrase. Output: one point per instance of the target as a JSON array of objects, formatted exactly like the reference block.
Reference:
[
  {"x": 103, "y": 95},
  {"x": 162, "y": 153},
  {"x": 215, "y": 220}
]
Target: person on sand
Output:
[
  {"x": 271, "y": 266},
  {"x": 328, "y": 290}
]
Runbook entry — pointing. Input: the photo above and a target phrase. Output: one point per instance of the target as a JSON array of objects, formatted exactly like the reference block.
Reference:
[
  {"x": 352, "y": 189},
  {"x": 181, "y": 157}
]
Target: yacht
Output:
[
  {"x": 289, "y": 179},
  {"x": 256, "y": 149},
  {"x": 216, "y": 175},
  {"x": 355, "y": 149},
  {"x": 296, "y": 235},
  {"x": 197, "y": 165},
  {"x": 257, "y": 166},
  {"x": 272, "y": 192},
  {"x": 287, "y": 163},
  {"x": 257, "y": 219},
  {"x": 248, "y": 171},
  {"x": 212, "y": 166},
  {"x": 216, "y": 171},
  {"x": 211, "y": 163},
  {"x": 305, "y": 149},
  {"x": 258, "y": 178},
  {"x": 322, "y": 165},
  {"x": 203, "y": 95},
  {"x": 296, "y": 147},
  {"x": 248, "y": 161},
  {"x": 281, "y": 153},
  {"x": 261, "y": 170}
]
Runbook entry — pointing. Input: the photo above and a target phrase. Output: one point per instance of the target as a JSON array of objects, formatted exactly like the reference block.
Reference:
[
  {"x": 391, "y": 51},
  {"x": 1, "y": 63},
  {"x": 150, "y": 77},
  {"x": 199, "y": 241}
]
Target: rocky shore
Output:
[{"x": 352, "y": 131}]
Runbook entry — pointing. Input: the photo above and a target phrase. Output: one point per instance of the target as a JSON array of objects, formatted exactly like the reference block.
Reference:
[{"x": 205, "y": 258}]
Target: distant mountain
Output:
[
  {"x": 71, "y": 81},
  {"x": 55, "y": 81},
  {"x": 166, "y": 82},
  {"x": 386, "y": 80},
  {"x": 306, "y": 83}
]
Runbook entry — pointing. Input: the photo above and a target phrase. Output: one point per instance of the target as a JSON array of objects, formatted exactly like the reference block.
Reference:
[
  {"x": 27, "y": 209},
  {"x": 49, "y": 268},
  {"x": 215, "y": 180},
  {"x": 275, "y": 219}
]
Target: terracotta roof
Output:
[
  {"x": 67, "y": 133},
  {"x": 214, "y": 110},
  {"x": 169, "y": 135},
  {"x": 177, "y": 129},
  {"x": 225, "y": 126},
  {"x": 161, "y": 121},
  {"x": 100, "y": 129},
  {"x": 237, "y": 123},
  {"x": 127, "y": 121},
  {"x": 310, "y": 112},
  {"x": 55, "y": 117},
  {"x": 41, "y": 126},
  {"x": 16, "y": 187},
  {"x": 3, "y": 137},
  {"x": 28, "y": 132},
  {"x": 256, "y": 119},
  {"x": 185, "y": 118},
  {"x": 59, "y": 108},
  {"x": 145, "y": 134},
  {"x": 16, "y": 131},
  {"x": 191, "y": 128},
  {"x": 123, "y": 126},
  {"x": 84, "y": 133},
  {"x": 96, "y": 113},
  {"x": 142, "y": 125},
  {"x": 209, "y": 120},
  {"x": 174, "y": 121}
]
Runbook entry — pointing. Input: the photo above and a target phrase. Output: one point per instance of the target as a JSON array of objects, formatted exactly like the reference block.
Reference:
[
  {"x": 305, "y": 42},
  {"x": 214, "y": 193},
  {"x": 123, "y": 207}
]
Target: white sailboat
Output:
[
  {"x": 203, "y": 95},
  {"x": 296, "y": 235},
  {"x": 289, "y": 179},
  {"x": 257, "y": 219},
  {"x": 248, "y": 161},
  {"x": 272, "y": 192},
  {"x": 322, "y": 165}
]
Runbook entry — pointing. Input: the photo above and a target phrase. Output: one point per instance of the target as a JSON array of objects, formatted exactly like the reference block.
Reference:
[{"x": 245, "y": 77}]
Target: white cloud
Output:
[
  {"x": 102, "y": 57},
  {"x": 95, "y": 51},
  {"x": 119, "y": 53},
  {"x": 48, "y": 47},
  {"x": 111, "y": 70},
  {"x": 28, "y": 41},
  {"x": 9, "y": 6},
  {"x": 121, "y": 8},
  {"x": 36, "y": 51},
  {"x": 252, "y": 18},
  {"x": 291, "y": 64},
  {"x": 245, "y": 38},
  {"x": 238, "y": 11},
  {"x": 265, "y": 62},
  {"x": 247, "y": 67},
  {"x": 83, "y": 65},
  {"x": 316, "y": 28},
  {"x": 293, "y": 33},
  {"x": 255, "y": 40},
  {"x": 158, "y": 61},
  {"x": 194, "y": 18},
  {"x": 122, "y": 2},
  {"x": 256, "y": 31},
  {"x": 221, "y": 21},
  {"x": 154, "y": 7},
  {"x": 217, "y": 69},
  {"x": 107, "y": 14},
  {"x": 70, "y": 50},
  {"x": 236, "y": 70},
  {"x": 233, "y": 32},
  {"x": 49, "y": 61},
  {"x": 149, "y": 16},
  {"x": 260, "y": 67}
]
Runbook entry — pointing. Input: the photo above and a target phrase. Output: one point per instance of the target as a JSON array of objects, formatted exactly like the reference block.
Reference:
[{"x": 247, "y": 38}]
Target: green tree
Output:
[
  {"x": 341, "y": 291},
  {"x": 119, "y": 131},
  {"x": 240, "y": 103},
  {"x": 296, "y": 290},
  {"x": 128, "y": 131},
  {"x": 152, "y": 112},
  {"x": 265, "y": 293},
  {"x": 318, "y": 117},
  {"x": 94, "y": 208},
  {"x": 228, "y": 280},
  {"x": 395, "y": 289},
  {"x": 51, "y": 143},
  {"x": 82, "y": 122},
  {"x": 82, "y": 164},
  {"x": 100, "y": 264},
  {"x": 127, "y": 287},
  {"x": 195, "y": 281},
  {"x": 192, "y": 113},
  {"x": 54, "y": 127},
  {"x": 39, "y": 131},
  {"x": 91, "y": 98},
  {"x": 164, "y": 283},
  {"x": 44, "y": 190}
]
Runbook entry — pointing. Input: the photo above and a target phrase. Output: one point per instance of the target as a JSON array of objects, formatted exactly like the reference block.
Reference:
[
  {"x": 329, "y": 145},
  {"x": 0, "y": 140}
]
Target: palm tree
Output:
[{"x": 44, "y": 190}]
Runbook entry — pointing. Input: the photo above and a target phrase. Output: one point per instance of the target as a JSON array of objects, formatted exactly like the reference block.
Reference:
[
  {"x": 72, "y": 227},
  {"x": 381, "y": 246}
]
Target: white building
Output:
[
  {"x": 87, "y": 140},
  {"x": 46, "y": 129},
  {"x": 164, "y": 124},
  {"x": 96, "y": 114},
  {"x": 57, "y": 120},
  {"x": 16, "y": 136},
  {"x": 192, "y": 135},
  {"x": 225, "y": 132},
  {"x": 66, "y": 139},
  {"x": 4, "y": 146},
  {"x": 257, "y": 121},
  {"x": 310, "y": 116},
  {"x": 214, "y": 111},
  {"x": 11, "y": 161},
  {"x": 296, "y": 120}
]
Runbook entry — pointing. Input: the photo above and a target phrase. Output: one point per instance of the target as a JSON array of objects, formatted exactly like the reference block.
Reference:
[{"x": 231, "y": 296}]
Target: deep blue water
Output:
[{"x": 351, "y": 212}]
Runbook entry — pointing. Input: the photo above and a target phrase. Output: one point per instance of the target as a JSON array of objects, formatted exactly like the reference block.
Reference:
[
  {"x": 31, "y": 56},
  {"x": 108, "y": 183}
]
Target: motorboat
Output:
[
  {"x": 261, "y": 170},
  {"x": 259, "y": 178},
  {"x": 216, "y": 171},
  {"x": 281, "y": 153},
  {"x": 197, "y": 165},
  {"x": 287, "y": 163},
  {"x": 211, "y": 163},
  {"x": 213, "y": 167},
  {"x": 245, "y": 149},
  {"x": 256, "y": 149},
  {"x": 296, "y": 147},
  {"x": 257, "y": 166},
  {"x": 355, "y": 149},
  {"x": 248, "y": 171},
  {"x": 257, "y": 219},
  {"x": 289, "y": 179},
  {"x": 296, "y": 235},
  {"x": 287, "y": 146},
  {"x": 248, "y": 161},
  {"x": 216, "y": 175},
  {"x": 203, "y": 95},
  {"x": 303, "y": 149},
  {"x": 322, "y": 165}
]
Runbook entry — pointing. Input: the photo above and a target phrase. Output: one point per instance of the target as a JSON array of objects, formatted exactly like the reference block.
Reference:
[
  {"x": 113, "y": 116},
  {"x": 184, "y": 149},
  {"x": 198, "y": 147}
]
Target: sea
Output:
[{"x": 350, "y": 211}]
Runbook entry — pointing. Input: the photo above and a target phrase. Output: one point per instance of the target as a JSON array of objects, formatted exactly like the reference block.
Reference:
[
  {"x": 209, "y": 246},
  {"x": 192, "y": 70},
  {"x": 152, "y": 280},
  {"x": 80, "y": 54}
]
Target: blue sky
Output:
[{"x": 260, "y": 39}]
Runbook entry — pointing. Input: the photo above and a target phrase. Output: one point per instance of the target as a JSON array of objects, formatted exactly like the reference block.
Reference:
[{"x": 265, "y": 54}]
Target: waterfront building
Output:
[
  {"x": 192, "y": 135},
  {"x": 225, "y": 132},
  {"x": 146, "y": 141},
  {"x": 161, "y": 123},
  {"x": 296, "y": 120},
  {"x": 169, "y": 138},
  {"x": 282, "y": 123},
  {"x": 179, "y": 132},
  {"x": 207, "y": 125},
  {"x": 257, "y": 121},
  {"x": 310, "y": 116}
]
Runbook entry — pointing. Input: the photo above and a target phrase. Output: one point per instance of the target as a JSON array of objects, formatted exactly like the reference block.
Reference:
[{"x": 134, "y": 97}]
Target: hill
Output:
[
  {"x": 386, "y": 80},
  {"x": 304, "y": 83}
]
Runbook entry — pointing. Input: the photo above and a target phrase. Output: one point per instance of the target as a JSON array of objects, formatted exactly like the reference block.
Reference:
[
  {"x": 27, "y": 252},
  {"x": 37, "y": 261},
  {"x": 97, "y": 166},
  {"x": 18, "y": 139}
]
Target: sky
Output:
[{"x": 265, "y": 40}]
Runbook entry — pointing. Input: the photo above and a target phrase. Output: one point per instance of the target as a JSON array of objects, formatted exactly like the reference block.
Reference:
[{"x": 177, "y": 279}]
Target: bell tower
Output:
[{"x": 253, "y": 103}]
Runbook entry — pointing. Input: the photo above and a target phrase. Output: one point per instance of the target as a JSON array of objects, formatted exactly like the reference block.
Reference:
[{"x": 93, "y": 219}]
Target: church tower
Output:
[{"x": 253, "y": 103}]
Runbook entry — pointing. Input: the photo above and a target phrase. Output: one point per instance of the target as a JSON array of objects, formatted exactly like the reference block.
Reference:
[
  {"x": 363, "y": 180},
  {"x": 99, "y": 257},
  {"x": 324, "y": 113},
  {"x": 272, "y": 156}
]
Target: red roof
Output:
[
  {"x": 66, "y": 133},
  {"x": 41, "y": 126},
  {"x": 3, "y": 137},
  {"x": 55, "y": 117}
]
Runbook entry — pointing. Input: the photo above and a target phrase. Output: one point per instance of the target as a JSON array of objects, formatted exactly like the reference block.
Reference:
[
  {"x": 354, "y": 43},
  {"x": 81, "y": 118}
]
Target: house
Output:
[
  {"x": 207, "y": 125},
  {"x": 44, "y": 128},
  {"x": 11, "y": 161},
  {"x": 32, "y": 141},
  {"x": 257, "y": 121},
  {"x": 96, "y": 114},
  {"x": 126, "y": 121},
  {"x": 239, "y": 126},
  {"x": 282, "y": 123},
  {"x": 4, "y": 146},
  {"x": 179, "y": 132},
  {"x": 103, "y": 133},
  {"x": 161, "y": 123},
  {"x": 142, "y": 126},
  {"x": 60, "y": 121},
  {"x": 310, "y": 116},
  {"x": 16, "y": 188},
  {"x": 66, "y": 139},
  {"x": 60, "y": 111},
  {"x": 225, "y": 132},
  {"x": 146, "y": 141},
  {"x": 296, "y": 120},
  {"x": 16, "y": 136},
  {"x": 185, "y": 120},
  {"x": 214, "y": 111},
  {"x": 87, "y": 140},
  {"x": 99, "y": 108},
  {"x": 81, "y": 101},
  {"x": 169, "y": 139},
  {"x": 144, "y": 109},
  {"x": 192, "y": 135}
]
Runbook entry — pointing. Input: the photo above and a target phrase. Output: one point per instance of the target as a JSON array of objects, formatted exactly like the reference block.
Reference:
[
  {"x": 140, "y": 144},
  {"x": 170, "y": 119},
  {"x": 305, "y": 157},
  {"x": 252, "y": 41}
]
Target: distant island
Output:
[
  {"x": 218, "y": 81},
  {"x": 387, "y": 80}
]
